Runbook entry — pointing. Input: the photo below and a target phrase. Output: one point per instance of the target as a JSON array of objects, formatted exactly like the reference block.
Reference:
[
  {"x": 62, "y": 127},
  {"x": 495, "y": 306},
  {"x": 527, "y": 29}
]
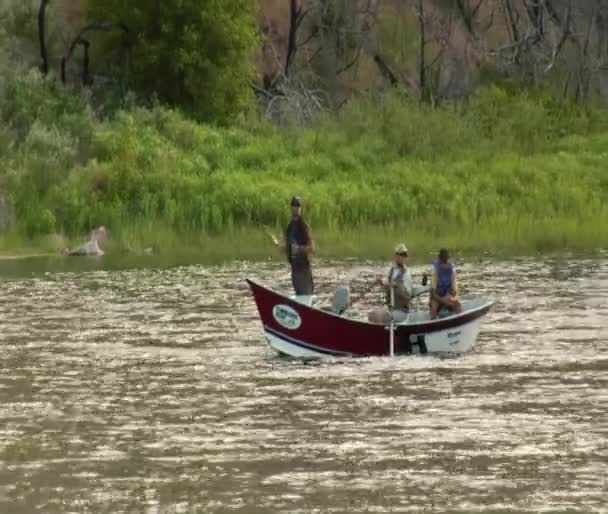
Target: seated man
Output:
[
  {"x": 399, "y": 280},
  {"x": 444, "y": 288}
]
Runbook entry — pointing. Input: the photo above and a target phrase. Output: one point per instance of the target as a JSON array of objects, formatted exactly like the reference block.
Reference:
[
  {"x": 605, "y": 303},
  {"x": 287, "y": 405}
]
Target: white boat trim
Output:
[{"x": 292, "y": 348}]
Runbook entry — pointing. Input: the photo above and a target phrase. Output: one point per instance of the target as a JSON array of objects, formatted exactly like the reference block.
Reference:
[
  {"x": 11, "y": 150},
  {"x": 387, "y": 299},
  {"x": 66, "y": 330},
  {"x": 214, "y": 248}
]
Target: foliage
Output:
[
  {"x": 505, "y": 165},
  {"x": 193, "y": 56}
]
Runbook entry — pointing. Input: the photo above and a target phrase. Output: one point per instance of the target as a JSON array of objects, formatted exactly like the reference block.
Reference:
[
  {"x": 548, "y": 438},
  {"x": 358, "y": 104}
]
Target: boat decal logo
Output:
[{"x": 286, "y": 317}]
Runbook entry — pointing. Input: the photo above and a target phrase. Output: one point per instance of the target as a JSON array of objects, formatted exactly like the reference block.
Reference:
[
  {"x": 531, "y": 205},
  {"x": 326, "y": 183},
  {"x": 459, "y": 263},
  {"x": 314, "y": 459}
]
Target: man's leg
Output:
[
  {"x": 456, "y": 306},
  {"x": 450, "y": 303},
  {"x": 380, "y": 316},
  {"x": 302, "y": 281},
  {"x": 399, "y": 316},
  {"x": 434, "y": 309}
]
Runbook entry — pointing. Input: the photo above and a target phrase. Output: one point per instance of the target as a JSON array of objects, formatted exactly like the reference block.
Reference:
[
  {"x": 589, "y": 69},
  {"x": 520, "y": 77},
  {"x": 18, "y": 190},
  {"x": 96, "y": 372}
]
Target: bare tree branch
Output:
[
  {"x": 534, "y": 9},
  {"x": 79, "y": 40},
  {"x": 489, "y": 23},
  {"x": 469, "y": 14},
  {"x": 553, "y": 13},
  {"x": 386, "y": 70},
  {"x": 564, "y": 36},
  {"x": 300, "y": 16},
  {"x": 260, "y": 91},
  {"x": 315, "y": 54},
  {"x": 512, "y": 21},
  {"x": 311, "y": 36},
  {"x": 351, "y": 63},
  {"x": 475, "y": 9}
]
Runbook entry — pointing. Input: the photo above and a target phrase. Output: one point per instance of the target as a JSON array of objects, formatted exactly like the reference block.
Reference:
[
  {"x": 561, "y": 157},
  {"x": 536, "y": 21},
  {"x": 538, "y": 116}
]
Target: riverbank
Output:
[
  {"x": 505, "y": 172},
  {"x": 504, "y": 238}
]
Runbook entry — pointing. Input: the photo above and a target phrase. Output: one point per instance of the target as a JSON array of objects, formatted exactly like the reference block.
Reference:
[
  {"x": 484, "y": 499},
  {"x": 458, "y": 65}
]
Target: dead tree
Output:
[
  {"x": 529, "y": 39},
  {"x": 585, "y": 69},
  {"x": 422, "y": 65},
  {"x": 344, "y": 26},
  {"x": 565, "y": 33},
  {"x": 296, "y": 16},
  {"x": 469, "y": 11},
  {"x": 434, "y": 29},
  {"x": 44, "y": 66},
  {"x": 80, "y": 40},
  {"x": 325, "y": 39},
  {"x": 535, "y": 10}
]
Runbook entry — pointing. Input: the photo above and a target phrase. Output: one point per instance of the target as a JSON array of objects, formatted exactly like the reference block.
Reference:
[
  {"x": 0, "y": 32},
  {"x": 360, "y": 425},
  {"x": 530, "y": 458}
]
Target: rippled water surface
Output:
[{"x": 153, "y": 391}]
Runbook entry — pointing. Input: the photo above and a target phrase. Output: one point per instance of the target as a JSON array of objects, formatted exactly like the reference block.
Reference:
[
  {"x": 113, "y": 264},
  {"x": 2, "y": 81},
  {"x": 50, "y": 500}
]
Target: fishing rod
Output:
[{"x": 271, "y": 234}]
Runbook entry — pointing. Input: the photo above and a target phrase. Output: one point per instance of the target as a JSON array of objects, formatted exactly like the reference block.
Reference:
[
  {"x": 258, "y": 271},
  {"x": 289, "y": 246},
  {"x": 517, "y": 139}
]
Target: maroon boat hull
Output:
[{"x": 295, "y": 326}]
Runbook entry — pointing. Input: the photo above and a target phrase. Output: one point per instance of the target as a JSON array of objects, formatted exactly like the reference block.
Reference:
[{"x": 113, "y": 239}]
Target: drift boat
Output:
[{"x": 294, "y": 327}]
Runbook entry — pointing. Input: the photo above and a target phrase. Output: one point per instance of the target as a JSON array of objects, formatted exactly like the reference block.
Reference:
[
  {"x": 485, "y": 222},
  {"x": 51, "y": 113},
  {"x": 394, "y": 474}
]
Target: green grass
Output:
[
  {"x": 504, "y": 173},
  {"x": 501, "y": 238}
]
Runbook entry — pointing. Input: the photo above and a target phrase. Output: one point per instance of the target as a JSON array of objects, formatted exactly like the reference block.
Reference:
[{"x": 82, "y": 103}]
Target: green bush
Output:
[
  {"x": 189, "y": 56},
  {"x": 515, "y": 163}
]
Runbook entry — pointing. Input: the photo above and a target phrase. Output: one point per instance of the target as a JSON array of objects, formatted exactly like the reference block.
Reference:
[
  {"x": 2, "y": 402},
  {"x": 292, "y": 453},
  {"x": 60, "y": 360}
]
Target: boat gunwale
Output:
[{"x": 485, "y": 306}]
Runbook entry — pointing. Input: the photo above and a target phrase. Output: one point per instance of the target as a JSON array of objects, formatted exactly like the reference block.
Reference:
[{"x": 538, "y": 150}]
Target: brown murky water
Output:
[{"x": 153, "y": 391}]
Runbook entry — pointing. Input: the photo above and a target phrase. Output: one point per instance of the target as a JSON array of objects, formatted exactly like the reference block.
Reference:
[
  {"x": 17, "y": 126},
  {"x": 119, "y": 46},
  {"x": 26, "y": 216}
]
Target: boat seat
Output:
[{"x": 341, "y": 300}]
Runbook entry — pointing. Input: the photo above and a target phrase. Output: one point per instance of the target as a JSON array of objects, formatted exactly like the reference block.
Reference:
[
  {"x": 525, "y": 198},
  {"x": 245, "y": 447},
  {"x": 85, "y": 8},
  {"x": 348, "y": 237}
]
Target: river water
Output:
[{"x": 153, "y": 391}]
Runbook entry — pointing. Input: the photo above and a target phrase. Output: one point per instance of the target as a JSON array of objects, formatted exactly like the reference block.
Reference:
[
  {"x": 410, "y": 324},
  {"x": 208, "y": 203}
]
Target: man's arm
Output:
[
  {"x": 454, "y": 284},
  {"x": 405, "y": 286},
  {"x": 408, "y": 283},
  {"x": 434, "y": 285},
  {"x": 309, "y": 247},
  {"x": 381, "y": 280}
]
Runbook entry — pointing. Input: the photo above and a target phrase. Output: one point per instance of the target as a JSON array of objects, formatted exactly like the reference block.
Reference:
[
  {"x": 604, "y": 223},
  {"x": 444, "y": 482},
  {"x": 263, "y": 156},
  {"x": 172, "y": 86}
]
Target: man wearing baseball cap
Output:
[
  {"x": 299, "y": 246},
  {"x": 400, "y": 281}
]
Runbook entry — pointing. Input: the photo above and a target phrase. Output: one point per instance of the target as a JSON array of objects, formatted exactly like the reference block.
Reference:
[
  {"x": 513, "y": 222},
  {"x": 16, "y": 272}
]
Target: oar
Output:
[
  {"x": 392, "y": 327},
  {"x": 392, "y": 308}
]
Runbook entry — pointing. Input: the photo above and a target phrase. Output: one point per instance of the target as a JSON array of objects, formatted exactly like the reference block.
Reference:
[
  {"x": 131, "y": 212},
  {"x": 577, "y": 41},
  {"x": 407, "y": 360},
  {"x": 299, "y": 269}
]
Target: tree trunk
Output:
[
  {"x": 86, "y": 76},
  {"x": 80, "y": 40},
  {"x": 293, "y": 32},
  {"x": 512, "y": 24},
  {"x": 44, "y": 67},
  {"x": 424, "y": 90}
]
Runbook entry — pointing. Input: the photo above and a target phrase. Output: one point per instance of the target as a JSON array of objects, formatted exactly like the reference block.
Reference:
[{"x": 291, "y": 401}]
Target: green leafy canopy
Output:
[{"x": 193, "y": 54}]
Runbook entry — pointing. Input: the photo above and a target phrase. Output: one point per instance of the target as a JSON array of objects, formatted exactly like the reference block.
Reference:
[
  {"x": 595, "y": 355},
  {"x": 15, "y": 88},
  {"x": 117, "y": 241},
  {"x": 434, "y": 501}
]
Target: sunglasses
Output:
[{"x": 402, "y": 254}]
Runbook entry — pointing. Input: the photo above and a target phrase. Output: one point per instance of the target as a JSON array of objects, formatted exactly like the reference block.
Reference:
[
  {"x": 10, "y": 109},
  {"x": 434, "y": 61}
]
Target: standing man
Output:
[{"x": 299, "y": 246}]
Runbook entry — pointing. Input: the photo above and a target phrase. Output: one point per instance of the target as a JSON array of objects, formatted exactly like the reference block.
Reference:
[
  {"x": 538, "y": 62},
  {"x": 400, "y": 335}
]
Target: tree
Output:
[
  {"x": 191, "y": 54},
  {"x": 324, "y": 41},
  {"x": 44, "y": 67},
  {"x": 565, "y": 39}
]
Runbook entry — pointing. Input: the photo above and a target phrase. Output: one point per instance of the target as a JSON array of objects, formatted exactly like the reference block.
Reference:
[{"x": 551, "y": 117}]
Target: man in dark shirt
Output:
[{"x": 299, "y": 246}]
